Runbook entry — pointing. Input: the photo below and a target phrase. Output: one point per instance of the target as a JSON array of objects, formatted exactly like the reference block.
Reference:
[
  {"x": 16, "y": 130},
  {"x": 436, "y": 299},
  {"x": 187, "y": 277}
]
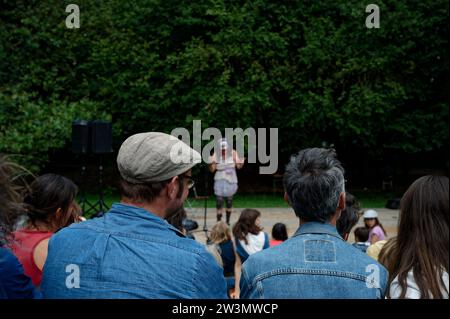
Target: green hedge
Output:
[{"x": 310, "y": 68}]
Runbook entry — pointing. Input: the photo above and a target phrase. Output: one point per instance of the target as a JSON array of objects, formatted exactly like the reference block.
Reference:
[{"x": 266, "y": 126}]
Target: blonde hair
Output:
[
  {"x": 214, "y": 251},
  {"x": 220, "y": 233}
]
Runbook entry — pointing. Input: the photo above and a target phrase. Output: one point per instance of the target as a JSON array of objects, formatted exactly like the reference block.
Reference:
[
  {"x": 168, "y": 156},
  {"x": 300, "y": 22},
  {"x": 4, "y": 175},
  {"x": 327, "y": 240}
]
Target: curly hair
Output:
[{"x": 11, "y": 186}]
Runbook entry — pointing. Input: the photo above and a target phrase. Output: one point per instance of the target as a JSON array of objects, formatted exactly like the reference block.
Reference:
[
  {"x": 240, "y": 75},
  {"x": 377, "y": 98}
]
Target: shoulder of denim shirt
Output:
[
  {"x": 317, "y": 228},
  {"x": 117, "y": 215},
  {"x": 14, "y": 283},
  {"x": 102, "y": 225}
]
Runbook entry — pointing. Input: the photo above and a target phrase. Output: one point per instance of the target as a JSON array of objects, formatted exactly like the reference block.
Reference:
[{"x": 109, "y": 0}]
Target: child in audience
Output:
[
  {"x": 220, "y": 236},
  {"x": 279, "y": 234},
  {"x": 361, "y": 238},
  {"x": 376, "y": 230}
]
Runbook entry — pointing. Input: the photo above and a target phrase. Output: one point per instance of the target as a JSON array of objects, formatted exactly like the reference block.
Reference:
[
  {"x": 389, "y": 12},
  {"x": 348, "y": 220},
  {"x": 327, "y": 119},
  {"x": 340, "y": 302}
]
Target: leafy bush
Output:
[{"x": 310, "y": 68}]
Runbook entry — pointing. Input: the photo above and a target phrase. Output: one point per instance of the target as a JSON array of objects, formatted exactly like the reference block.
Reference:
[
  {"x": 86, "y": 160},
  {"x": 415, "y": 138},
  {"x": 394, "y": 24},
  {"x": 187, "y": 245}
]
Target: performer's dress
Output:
[{"x": 225, "y": 179}]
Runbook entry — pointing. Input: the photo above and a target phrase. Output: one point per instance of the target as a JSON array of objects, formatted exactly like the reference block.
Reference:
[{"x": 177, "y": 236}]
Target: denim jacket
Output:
[
  {"x": 315, "y": 263},
  {"x": 129, "y": 253},
  {"x": 14, "y": 284}
]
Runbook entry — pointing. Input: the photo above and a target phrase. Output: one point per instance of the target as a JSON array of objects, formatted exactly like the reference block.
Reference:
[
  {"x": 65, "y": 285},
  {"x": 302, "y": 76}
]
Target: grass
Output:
[
  {"x": 249, "y": 201},
  {"x": 367, "y": 199},
  {"x": 373, "y": 199},
  {"x": 92, "y": 199}
]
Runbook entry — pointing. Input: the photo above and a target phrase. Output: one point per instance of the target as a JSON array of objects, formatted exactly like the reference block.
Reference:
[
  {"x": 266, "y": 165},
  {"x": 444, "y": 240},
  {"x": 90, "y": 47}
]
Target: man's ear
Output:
[
  {"x": 286, "y": 198},
  {"x": 172, "y": 188},
  {"x": 346, "y": 236}
]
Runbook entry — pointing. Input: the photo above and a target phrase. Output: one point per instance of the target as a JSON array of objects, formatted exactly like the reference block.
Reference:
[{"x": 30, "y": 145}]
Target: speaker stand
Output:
[
  {"x": 83, "y": 199},
  {"x": 102, "y": 207},
  {"x": 99, "y": 208}
]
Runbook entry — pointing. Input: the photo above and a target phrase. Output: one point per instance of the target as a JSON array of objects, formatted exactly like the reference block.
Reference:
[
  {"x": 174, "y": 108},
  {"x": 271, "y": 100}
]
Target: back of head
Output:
[
  {"x": 422, "y": 242},
  {"x": 351, "y": 201},
  {"x": 349, "y": 216},
  {"x": 313, "y": 181},
  {"x": 10, "y": 200},
  {"x": 424, "y": 208},
  {"x": 279, "y": 232},
  {"x": 220, "y": 233},
  {"x": 46, "y": 195},
  {"x": 362, "y": 234}
]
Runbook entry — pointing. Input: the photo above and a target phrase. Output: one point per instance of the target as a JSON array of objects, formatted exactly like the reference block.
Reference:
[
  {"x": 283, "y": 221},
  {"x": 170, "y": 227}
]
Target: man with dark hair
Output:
[
  {"x": 132, "y": 251},
  {"x": 349, "y": 216},
  {"x": 361, "y": 239},
  {"x": 316, "y": 262}
]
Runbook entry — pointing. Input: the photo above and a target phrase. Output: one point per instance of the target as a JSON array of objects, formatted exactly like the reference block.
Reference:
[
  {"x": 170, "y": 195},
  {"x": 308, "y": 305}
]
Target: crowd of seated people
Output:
[{"x": 139, "y": 249}]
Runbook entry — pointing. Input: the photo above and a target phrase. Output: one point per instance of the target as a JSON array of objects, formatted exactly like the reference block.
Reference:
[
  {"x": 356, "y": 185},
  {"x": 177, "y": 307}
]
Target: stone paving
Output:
[{"x": 270, "y": 216}]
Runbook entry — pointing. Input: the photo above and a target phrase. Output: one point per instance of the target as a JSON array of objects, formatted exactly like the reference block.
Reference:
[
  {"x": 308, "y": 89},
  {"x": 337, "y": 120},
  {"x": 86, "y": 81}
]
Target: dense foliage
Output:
[{"x": 310, "y": 68}]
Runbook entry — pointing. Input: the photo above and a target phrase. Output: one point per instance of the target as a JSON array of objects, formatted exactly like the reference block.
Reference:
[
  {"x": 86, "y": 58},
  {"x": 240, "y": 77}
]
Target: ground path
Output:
[{"x": 270, "y": 216}]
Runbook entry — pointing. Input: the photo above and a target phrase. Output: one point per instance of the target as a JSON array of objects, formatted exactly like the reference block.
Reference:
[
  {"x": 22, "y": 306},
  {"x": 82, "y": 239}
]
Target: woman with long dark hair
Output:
[
  {"x": 419, "y": 259},
  {"x": 249, "y": 239},
  {"x": 14, "y": 284},
  {"x": 249, "y": 235},
  {"x": 50, "y": 205}
]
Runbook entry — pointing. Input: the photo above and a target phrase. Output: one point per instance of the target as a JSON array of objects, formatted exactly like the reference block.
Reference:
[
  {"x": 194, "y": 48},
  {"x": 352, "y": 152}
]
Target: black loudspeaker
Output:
[
  {"x": 101, "y": 137},
  {"x": 80, "y": 137}
]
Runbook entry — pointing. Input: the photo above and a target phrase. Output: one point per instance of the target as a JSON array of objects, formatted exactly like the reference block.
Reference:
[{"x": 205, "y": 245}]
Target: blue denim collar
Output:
[
  {"x": 138, "y": 212},
  {"x": 317, "y": 228}
]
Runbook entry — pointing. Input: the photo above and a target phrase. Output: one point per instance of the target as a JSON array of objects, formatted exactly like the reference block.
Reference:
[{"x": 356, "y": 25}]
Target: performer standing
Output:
[{"x": 224, "y": 165}]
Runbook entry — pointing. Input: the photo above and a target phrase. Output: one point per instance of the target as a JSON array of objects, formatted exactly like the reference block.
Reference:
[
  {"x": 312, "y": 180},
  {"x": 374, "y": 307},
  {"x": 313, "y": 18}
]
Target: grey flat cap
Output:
[{"x": 154, "y": 157}]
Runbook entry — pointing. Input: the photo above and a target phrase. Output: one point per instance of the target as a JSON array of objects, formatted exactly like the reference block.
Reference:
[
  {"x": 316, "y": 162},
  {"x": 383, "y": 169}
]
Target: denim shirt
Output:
[
  {"x": 129, "y": 253},
  {"x": 315, "y": 263},
  {"x": 14, "y": 284}
]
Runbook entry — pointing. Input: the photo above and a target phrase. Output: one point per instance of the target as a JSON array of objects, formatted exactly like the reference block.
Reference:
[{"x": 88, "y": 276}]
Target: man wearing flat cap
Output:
[{"x": 132, "y": 251}]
